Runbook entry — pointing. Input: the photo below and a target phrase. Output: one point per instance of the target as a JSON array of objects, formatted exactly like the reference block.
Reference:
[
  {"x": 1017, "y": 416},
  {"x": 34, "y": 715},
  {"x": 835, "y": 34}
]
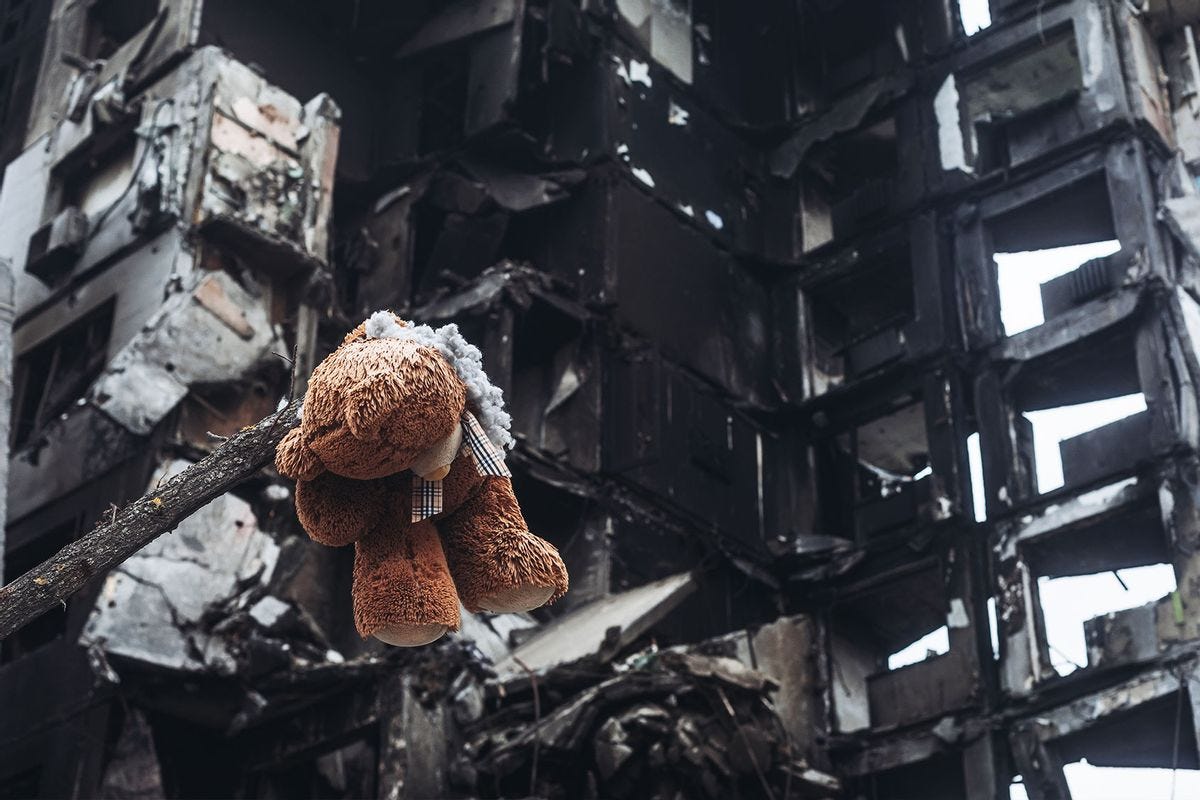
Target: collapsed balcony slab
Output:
[{"x": 600, "y": 628}]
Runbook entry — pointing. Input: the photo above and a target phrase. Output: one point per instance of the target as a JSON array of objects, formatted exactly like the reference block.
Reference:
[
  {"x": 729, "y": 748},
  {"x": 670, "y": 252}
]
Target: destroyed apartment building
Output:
[{"x": 746, "y": 274}]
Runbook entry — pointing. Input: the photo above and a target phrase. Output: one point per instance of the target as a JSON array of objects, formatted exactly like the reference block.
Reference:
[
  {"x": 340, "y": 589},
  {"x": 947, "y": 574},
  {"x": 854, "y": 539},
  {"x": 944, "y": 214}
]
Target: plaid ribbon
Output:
[{"x": 489, "y": 460}]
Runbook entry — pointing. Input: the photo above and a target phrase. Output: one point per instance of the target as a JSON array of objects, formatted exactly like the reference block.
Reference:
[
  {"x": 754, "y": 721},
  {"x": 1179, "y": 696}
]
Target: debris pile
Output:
[{"x": 662, "y": 724}]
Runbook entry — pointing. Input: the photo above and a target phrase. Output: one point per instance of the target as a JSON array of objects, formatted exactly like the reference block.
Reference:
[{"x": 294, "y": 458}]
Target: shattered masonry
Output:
[{"x": 735, "y": 267}]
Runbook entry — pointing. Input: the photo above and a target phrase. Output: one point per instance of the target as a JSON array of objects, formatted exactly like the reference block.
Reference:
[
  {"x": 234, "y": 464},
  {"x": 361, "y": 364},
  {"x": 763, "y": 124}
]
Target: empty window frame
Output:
[
  {"x": 1055, "y": 253},
  {"x": 1067, "y": 604},
  {"x": 1037, "y": 285},
  {"x": 19, "y": 560},
  {"x": 934, "y": 643},
  {"x": 876, "y": 477},
  {"x": 1080, "y": 415},
  {"x": 1003, "y": 103},
  {"x": 1101, "y": 552},
  {"x": 56, "y": 373},
  {"x": 1137, "y": 739},
  {"x": 1070, "y": 442},
  {"x": 112, "y": 23},
  {"x": 853, "y": 331},
  {"x": 550, "y": 383},
  {"x": 1042, "y": 83},
  {"x": 450, "y": 243},
  {"x": 850, "y": 180},
  {"x": 1037, "y": 249},
  {"x": 893, "y": 626}
]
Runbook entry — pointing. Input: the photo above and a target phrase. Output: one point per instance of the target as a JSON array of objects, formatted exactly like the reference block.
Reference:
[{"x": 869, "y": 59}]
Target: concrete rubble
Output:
[{"x": 745, "y": 274}]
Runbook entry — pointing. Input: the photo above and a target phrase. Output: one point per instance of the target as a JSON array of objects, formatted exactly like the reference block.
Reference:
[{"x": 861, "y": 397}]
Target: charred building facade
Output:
[{"x": 745, "y": 272}]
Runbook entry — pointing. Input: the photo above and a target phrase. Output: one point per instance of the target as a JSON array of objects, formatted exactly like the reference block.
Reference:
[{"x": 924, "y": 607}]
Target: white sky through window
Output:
[
  {"x": 976, "y": 15},
  {"x": 1020, "y": 276},
  {"x": 1068, "y": 602},
  {"x": 1052, "y": 425}
]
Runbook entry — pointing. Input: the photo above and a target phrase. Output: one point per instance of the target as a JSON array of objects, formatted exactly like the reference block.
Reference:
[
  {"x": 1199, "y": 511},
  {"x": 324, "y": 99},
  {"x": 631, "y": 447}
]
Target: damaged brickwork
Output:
[{"x": 743, "y": 272}]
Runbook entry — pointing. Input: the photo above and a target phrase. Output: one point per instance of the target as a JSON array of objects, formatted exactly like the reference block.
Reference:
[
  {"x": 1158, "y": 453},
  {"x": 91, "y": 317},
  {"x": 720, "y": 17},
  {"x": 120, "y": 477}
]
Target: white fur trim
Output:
[{"x": 486, "y": 398}]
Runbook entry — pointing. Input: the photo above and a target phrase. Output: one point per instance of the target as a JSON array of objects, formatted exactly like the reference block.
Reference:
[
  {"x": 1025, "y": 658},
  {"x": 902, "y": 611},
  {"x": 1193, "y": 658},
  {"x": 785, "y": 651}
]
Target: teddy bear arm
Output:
[
  {"x": 337, "y": 511},
  {"x": 295, "y": 459}
]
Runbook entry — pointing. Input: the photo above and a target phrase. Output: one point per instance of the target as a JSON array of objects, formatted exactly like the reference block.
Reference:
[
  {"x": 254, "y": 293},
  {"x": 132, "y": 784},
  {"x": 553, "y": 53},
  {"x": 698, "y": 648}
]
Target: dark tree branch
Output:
[{"x": 157, "y": 512}]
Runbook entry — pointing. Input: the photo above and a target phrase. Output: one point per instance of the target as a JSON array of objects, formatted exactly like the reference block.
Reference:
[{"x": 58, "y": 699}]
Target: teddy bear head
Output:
[{"x": 389, "y": 399}]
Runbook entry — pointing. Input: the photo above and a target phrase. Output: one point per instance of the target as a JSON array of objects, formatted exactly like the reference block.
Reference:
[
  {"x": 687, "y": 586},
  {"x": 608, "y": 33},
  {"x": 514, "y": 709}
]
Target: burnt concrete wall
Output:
[{"x": 736, "y": 271}]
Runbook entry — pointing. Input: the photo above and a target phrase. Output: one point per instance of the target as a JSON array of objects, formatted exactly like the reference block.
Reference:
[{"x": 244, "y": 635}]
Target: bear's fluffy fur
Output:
[{"x": 372, "y": 407}]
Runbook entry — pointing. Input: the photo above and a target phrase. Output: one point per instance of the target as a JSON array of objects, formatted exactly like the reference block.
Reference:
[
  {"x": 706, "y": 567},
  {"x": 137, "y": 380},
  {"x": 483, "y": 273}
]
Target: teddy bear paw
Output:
[
  {"x": 507, "y": 571},
  {"x": 514, "y": 599},
  {"x": 405, "y": 635}
]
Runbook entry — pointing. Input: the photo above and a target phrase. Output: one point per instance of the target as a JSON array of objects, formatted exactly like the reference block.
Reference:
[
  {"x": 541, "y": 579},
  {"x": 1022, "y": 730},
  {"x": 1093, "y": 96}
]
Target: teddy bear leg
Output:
[
  {"x": 498, "y": 565},
  {"x": 403, "y": 593}
]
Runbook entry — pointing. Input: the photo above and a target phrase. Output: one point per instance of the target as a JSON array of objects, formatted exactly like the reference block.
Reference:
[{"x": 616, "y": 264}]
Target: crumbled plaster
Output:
[
  {"x": 152, "y": 608},
  {"x": 215, "y": 333}
]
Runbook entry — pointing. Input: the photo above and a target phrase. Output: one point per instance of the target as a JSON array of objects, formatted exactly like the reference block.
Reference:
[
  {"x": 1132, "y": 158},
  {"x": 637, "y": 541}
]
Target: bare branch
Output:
[{"x": 155, "y": 513}]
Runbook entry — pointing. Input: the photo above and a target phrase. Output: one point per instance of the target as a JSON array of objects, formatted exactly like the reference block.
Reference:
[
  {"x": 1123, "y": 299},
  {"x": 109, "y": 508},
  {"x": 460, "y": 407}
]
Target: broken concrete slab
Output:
[
  {"x": 847, "y": 114},
  {"x": 152, "y": 610},
  {"x": 215, "y": 333},
  {"x": 601, "y": 627},
  {"x": 492, "y": 634}
]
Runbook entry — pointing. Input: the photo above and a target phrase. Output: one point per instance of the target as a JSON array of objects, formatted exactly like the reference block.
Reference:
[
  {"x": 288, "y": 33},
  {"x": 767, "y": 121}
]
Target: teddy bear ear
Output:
[
  {"x": 359, "y": 334},
  {"x": 368, "y": 404},
  {"x": 294, "y": 459}
]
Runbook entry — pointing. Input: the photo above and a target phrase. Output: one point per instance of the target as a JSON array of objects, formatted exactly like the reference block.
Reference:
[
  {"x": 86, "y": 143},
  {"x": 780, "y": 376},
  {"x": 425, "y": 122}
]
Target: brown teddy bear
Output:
[{"x": 400, "y": 451}]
